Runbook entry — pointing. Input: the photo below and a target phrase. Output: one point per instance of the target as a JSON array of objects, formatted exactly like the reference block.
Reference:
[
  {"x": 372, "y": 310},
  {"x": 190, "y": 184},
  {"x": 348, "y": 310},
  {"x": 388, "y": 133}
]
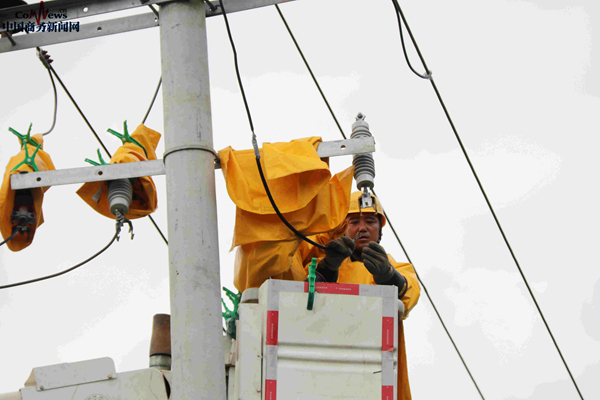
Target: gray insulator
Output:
[
  {"x": 120, "y": 193},
  {"x": 364, "y": 165}
]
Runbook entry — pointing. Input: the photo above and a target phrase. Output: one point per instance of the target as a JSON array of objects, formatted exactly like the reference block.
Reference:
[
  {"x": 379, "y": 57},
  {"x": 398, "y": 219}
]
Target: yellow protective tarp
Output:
[
  {"x": 305, "y": 192},
  {"x": 293, "y": 170},
  {"x": 7, "y": 195},
  {"x": 145, "y": 201}
]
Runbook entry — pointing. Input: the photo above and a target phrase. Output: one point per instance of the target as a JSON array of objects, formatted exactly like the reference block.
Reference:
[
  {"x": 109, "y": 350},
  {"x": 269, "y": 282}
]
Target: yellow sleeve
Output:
[{"x": 413, "y": 290}]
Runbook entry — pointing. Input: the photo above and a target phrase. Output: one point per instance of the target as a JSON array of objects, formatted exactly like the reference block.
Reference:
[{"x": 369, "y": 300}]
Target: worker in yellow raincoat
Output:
[{"x": 365, "y": 261}]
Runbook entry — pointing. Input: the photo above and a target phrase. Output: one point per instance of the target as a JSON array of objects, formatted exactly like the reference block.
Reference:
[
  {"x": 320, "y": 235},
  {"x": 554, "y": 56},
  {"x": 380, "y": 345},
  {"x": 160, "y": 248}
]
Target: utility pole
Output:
[{"x": 196, "y": 335}]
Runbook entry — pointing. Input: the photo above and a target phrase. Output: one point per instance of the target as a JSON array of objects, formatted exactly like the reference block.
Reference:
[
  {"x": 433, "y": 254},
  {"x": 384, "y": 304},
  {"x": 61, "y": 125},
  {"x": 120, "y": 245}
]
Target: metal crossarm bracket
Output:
[
  {"x": 157, "y": 167},
  {"x": 71, "y": 10}
]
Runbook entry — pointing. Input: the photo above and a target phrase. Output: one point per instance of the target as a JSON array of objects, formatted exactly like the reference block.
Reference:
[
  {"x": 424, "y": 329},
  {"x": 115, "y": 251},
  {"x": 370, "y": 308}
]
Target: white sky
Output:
[{"x": 517, "y": 77}]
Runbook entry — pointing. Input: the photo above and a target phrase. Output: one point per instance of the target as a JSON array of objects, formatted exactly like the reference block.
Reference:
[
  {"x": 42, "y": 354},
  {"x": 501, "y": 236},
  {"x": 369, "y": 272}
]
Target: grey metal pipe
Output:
[{"x": 196, "y": 330}]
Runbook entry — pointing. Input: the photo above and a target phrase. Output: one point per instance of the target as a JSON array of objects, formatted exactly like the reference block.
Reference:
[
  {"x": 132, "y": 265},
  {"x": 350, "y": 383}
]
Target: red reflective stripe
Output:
[
  {"x": 334, "y": 288},
  {"x": 387, "y": 393},
  {"x": 387, "y": 334},
  {"x": 272, "y": 327},
  {"x": 271, "y": 389}
]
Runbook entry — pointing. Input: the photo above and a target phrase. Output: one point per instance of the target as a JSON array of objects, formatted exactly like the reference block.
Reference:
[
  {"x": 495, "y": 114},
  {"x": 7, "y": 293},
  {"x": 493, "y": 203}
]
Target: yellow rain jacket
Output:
[
  {"x": 304, "y": 191},
  {"x": 7, "y": 195},
  {"x": 356, "y": 272},
  {"x": 145, "y": 201}
]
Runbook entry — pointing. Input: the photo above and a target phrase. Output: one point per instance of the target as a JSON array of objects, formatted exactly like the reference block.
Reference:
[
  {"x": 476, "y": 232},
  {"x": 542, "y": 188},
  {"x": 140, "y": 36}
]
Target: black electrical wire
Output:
[
  {"x": 427, "y": 75},
  {"x": 11, "y": 237},
  {"x": 237, "y": 72},
  {"x": 66, "y": 270},
  {"x": 399, "y": 11},
  {"x": 153, "y": 100},
  {"x": 310, "y": 70},
  {"x": 393, "y": 230},
  {"x": 254, "y": 143}
]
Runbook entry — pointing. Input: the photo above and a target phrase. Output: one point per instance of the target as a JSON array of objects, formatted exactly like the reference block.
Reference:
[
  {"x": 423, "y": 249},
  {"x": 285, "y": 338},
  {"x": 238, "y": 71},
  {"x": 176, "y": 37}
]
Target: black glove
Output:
[
  {"x": 336, "y": 252},
  {"x": 376, "y": 261}
]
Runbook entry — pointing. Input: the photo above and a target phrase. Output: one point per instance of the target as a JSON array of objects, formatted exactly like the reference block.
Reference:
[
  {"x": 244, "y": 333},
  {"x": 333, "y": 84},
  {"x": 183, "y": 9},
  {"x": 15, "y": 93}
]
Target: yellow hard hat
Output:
[{"x": 355, "y": 208}]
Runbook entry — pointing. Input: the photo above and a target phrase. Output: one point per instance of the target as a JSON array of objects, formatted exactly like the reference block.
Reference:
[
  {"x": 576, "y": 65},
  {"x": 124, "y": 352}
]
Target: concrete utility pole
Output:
[{"x": 196, "y": 335}]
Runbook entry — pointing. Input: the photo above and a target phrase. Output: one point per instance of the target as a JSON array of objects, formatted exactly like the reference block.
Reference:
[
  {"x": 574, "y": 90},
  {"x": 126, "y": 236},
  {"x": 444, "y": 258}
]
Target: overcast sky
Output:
[{"x": 518, "y": 79}]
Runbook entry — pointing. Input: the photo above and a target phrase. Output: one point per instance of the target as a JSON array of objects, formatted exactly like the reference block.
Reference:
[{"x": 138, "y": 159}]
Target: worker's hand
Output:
[
  {"x": 337, "y": 251},
  {"x": 376, "y": 261}
]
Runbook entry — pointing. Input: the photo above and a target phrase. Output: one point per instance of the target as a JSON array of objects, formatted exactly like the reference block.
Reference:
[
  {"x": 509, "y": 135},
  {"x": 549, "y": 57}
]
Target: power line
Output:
[
  {"x": 115, "y": 237},
  {"x": 399, "y": 11},
  {"x": 386, "y": 216}
]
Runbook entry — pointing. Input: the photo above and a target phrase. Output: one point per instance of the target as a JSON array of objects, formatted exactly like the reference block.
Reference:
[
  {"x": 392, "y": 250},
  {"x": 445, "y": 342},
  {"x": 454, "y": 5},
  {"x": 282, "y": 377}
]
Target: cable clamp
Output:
[{"x": 194, "y": 147}]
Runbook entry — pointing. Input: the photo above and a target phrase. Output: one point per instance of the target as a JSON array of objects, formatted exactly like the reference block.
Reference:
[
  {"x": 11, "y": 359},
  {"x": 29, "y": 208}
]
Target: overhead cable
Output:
[
  {"x": 254, "y": 141},
  {"x": 389, "y": 221},
  {"x": 399, "y": 11},
  {"x": 118, "y": 226}
]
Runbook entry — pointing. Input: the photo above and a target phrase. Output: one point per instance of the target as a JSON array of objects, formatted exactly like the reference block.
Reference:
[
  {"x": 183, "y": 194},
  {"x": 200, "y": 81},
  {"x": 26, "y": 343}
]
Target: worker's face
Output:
[{"x": 367, "y": 225}]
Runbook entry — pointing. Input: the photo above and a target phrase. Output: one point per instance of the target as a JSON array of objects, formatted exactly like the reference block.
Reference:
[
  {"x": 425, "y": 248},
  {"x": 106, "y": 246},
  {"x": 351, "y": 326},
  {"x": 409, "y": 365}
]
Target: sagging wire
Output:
[
  {"x": 399, "y": 11},
  {"x": 118, "y": 227},
  {"x": 255, "y": 143},
  {"x": 391, "y": 226}
]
